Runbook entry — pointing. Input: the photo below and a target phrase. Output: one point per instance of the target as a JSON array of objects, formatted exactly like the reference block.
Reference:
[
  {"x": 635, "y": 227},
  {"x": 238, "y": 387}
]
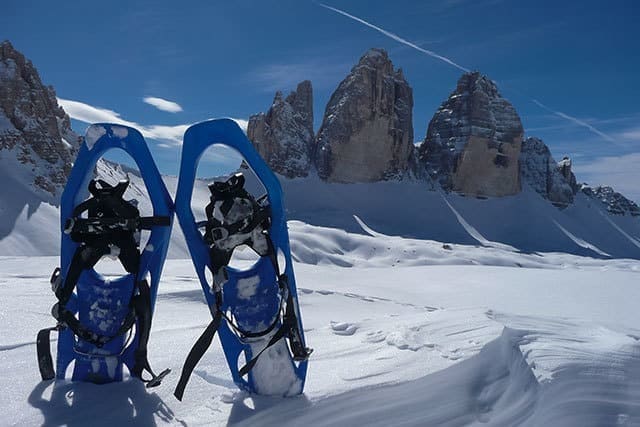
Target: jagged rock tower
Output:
[
  {"x": 284, "y": 136},
  {"x": 367, "y": 130},
  {"x": 473, "y": 141}
]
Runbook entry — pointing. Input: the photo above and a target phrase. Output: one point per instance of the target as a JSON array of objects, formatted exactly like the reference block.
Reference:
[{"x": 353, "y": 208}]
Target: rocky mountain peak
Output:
[
  {"x": 284, "y": 135},
  {"x": 553, "y": 181},
  {"x": 376, "y": 58},
  {"x": 475, "y": 81},
  {"x": 473, "y": 141},
  {"x": 367, "y": 130},
  {"x": 35, "y": 132},
  {"x": 614, "y": 202}
]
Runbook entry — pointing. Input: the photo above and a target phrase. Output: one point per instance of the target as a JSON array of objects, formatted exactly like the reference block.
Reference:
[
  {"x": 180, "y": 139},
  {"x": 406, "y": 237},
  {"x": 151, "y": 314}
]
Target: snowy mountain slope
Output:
[
  {"x": 334, "y": 247},
  {"x": 35, "y": 230},
  {"x": 394, "y": 345},
  {"x": 525, "y": 221},
  {"x": 26, "y": 219}
]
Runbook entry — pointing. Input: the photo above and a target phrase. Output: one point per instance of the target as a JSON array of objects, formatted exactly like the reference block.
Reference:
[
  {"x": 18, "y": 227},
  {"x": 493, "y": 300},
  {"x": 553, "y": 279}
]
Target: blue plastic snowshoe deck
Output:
[
  {"x": 251, "y": 296},
  {"x": 100, "y": 303}
]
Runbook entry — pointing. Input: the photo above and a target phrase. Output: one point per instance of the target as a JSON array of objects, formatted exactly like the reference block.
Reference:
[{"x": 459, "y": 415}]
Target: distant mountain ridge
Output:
[{"x": 474, "y": 144}]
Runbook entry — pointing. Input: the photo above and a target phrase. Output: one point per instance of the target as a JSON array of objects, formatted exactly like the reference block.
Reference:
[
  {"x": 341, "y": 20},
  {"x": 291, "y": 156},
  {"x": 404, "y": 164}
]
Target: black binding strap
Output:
[
  {"x": 109, "y": 229},
  {"x": 43, "y": 347},
  {"x": 197, "y": 351},
  {"x": 216, "y": 232},
  {"x": 280, "y": 333},
  {"x": 288, "y": 329},
  {"x": 142, "y": 305}
]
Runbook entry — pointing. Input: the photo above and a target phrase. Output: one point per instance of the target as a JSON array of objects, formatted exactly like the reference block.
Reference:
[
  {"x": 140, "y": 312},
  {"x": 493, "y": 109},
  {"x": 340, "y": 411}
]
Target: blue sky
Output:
[{"x": 578, "y": 59}]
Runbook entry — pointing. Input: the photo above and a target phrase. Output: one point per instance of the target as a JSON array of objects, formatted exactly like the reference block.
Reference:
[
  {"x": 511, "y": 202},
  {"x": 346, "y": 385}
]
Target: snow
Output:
[
  {"x": 120, "y": 131},
  {"x": 94, "y": 133},
  {"x": 473, "y": 232},
  {"x": 581, "y": 242},
  {"x": 423, "y": 308},
  {"x": 462, "y": 336},
  {"x": 635, "y": 242}
]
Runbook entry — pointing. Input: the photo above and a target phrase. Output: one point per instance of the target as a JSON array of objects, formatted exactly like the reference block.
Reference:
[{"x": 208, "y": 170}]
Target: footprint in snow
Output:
[
  {"x": 360, "y": 297},
  {"x": 453, "y": 355},
  {"x": 375, "y": 337},
  {"x": 343, "y": 328}
]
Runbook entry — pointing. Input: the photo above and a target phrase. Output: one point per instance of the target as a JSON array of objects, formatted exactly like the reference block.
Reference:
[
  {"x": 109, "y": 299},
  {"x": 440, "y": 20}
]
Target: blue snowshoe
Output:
[
  {"x": 97, "y": 316},
  {"x": 255, "y": 311}
]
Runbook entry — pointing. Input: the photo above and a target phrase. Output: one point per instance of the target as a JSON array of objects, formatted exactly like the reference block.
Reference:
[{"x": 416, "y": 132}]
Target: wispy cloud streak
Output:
[
  {"x": 574, "y": 120},
  {"x": 395, "y": 37},
  {"x": 89, "y": 114}
]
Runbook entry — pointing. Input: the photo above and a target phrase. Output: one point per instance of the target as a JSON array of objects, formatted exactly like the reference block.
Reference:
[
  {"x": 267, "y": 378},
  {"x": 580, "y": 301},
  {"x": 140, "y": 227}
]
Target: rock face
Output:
[
  {"x": 367, "y": 130},
  {"x": 473, "y": 141},
  {"x": 564, "y": 166},
  {"x": 614, "y": 202},
  {"x": 553, "y": 181},
  {"x": 35, "y": 132},
  {"x": 284, "y": 136}
]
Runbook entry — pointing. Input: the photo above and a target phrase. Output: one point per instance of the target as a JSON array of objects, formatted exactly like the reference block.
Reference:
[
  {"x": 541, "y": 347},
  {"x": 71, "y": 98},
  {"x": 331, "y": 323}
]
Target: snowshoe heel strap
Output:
[
  {"x": 142, "y": 307},
  {"x": 280, "y": 333},
  {"x": 43, "y": 348},
  {"x": 197, "y": 351},
  {"x": 288, "y": 329}
]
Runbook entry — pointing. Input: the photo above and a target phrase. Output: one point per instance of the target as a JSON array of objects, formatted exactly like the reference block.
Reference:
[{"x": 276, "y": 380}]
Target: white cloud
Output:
[
  {"x": 620, "y": 172},
  {"x": 163, "y": 104},
  {"x": 89, "y": 114},
  {"x": 395, "y": 37}
]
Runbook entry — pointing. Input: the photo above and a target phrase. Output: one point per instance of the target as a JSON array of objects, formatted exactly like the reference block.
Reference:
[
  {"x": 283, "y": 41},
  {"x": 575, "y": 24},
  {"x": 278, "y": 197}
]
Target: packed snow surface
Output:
[{"x": 405, "y": 332}]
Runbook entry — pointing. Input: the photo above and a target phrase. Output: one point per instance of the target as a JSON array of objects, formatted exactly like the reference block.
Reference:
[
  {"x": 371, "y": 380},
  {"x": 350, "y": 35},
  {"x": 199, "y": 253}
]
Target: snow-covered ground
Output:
[{"x": 405, "y": 332}]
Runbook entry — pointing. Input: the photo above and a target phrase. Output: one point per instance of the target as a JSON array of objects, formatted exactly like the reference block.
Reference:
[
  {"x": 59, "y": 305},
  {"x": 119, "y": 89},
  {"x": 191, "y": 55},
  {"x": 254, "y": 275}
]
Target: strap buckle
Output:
[
  {"x": 304, "y": 355},
  {"x": 68, "y": 225},
  {"x": 56, "y": 280},
  {"x": 219, "y": 233},
  {"x": 56, "y": 313},
  {"x": 156, "y": 380}
]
